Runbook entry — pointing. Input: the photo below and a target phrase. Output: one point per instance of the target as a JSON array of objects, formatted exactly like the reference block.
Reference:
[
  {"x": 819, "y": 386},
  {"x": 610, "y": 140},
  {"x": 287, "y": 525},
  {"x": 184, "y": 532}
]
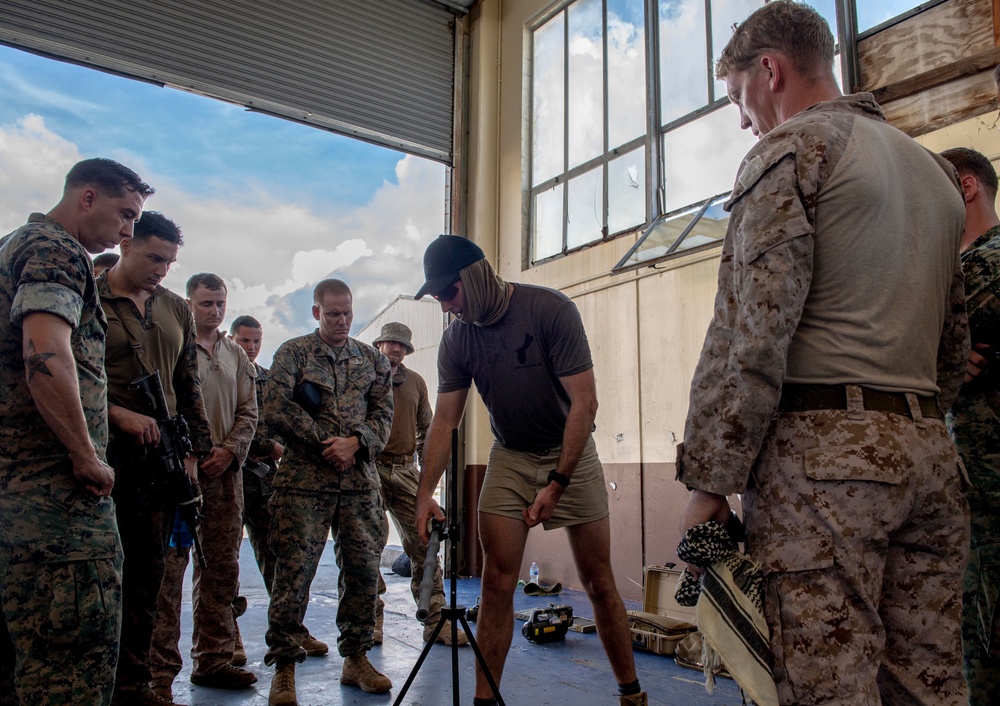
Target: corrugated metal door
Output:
[{"x": 379, "y": 71}]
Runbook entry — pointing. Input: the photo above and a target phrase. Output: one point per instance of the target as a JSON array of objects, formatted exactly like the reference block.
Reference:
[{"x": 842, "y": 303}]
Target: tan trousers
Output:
[{"x": 221, "y": 532}]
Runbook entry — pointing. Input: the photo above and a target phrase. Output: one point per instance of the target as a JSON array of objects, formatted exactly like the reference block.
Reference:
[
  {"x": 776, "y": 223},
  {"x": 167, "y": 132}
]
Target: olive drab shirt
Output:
[
  {"x": 45, "y": 269},
  {"x": 166, "y": 336},
  {"x": 356, "y": 397},
  {"x": 840, "y": 265}
]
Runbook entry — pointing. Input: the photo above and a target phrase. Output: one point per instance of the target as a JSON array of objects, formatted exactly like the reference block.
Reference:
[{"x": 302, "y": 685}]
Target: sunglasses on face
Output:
[{"x": 449, "y": 292}]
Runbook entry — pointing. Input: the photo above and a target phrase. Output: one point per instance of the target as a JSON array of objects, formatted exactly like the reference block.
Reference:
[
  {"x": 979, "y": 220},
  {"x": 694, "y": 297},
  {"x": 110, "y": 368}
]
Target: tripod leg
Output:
[
  {"x": 416, "y": 667},
  {"x": 482, "y": 661}
]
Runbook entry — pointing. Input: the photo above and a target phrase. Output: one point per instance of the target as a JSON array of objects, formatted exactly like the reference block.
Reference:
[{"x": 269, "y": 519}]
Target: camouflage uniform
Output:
[
  {"x": 257, "y": 492},
  {"x": 400, "y": 479},
  {"x": 974, "y": 422},
  {"x": 857, "y": 517},
  {"x": 227, "y": 386},
  {"x": 165, "y": 333},
  {"x": 311, "y": 498},
  {"x": 60, "y": 554}
]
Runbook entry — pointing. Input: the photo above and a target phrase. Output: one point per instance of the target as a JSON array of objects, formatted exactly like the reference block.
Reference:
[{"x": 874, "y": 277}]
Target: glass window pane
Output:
[
  {"x": 726, "y": 13},
  {"x": 547, "y": 100},
  {"x": 547, "y": 219},
  {"x": 662, "y": 236},
  {"x": 872, "y": 14},
  {"x": 626, "y": 71},
  {"x": 585, "y": 220},
  {"x": 585, "y": 101},
  {"x": 710, "y": 228},
  {"x": 701, "y": 158},
  {"x": 684, "y": 74},
  {"x": 627, "y": 191}
]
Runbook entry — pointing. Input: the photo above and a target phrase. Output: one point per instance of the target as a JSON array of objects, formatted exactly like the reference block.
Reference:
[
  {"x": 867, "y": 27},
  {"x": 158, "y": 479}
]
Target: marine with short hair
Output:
[
  {"x": 974, "y": 423},
  {"x": 60, "y": 553},
  {"x": 329, "y": 396},
  {"x": 149, "y": 329},
  {"x": 839, "y": 336},
  {"x": 227, "y": 386}
]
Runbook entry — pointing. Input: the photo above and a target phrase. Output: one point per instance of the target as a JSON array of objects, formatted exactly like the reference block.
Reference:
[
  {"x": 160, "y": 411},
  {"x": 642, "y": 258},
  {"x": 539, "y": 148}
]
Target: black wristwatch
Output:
[{"x": 558, "y": 478}]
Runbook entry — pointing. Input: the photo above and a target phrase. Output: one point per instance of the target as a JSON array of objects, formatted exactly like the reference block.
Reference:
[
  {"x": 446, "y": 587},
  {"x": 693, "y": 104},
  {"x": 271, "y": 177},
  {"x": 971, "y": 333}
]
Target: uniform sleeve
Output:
[
  {"x": 764, "y": 279},
  {"x": 187, "y": 388},
  {"x": 50, "y": 282},
  {"x": 378, "y": 418},
  {"x": 245, "y": 423},
  {"x": 283, "y": 415},
  {"x": 953, "y": 349}
]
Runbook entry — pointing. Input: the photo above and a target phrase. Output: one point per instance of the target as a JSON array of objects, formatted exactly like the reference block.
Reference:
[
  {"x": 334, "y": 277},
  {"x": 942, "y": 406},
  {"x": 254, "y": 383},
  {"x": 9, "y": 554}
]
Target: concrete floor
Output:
[{"x": 574, "y": 671}]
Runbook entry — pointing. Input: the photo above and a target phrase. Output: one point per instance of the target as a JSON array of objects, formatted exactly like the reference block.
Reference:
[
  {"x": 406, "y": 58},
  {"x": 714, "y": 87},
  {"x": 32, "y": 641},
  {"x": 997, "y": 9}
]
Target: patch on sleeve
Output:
[{"x": 751, "y": 172}]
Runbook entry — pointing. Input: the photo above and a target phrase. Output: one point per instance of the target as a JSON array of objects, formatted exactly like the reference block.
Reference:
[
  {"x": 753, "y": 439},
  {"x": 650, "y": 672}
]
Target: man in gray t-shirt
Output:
[{"x": 526, "y": 349}]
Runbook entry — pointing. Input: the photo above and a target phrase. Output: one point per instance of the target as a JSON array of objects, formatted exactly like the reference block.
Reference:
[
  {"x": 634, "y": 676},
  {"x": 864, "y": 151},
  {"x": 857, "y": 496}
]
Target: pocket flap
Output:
[{"x": 865, "y": 462}]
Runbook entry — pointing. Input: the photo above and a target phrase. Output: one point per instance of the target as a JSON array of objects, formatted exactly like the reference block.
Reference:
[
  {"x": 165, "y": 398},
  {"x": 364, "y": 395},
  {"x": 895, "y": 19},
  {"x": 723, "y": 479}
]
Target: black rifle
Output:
[{"x": 174, "y": 447}]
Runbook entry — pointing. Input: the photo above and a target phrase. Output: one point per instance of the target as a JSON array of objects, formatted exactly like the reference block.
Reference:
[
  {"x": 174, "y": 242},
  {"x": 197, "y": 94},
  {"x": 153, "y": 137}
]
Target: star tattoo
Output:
[{"x": 35, "y": 362}]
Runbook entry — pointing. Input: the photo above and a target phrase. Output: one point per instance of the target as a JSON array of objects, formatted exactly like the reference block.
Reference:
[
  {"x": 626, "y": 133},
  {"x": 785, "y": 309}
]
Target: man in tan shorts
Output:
[{"x": 526, "y": 350}]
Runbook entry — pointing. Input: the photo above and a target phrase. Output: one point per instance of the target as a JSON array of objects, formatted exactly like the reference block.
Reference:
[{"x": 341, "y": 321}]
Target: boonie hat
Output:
[
  {"x": 444, "y": 259},
  {"x": 395, "y": 331}
]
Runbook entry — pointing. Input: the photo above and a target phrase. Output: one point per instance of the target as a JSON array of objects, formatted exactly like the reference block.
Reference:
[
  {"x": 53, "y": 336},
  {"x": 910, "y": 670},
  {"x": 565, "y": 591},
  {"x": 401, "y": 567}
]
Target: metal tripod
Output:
[{"x": 454, "y": 613}]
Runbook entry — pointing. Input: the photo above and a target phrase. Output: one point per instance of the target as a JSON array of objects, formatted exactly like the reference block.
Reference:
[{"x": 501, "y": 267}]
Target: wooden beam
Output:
[
  {"x": 939, "y": 76},
  {"x": 996, "y": 23}
]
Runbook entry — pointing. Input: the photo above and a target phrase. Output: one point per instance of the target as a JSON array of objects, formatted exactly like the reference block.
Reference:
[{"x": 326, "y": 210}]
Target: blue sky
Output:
[{"x": 270, "y": 205}]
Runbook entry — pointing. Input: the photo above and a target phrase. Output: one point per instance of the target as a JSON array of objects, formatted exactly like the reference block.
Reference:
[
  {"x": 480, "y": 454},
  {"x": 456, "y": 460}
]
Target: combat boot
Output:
[
  {"x": 634, "y": 700},
  {"x": 377, "y": 635},
  {"x": 444, "y": 637},
  {"x": 358, "y": 671},
  {"x": 283, "y": 686},
  {"x": 314, "y": 647},
  {"x": 239, "y": 652}
]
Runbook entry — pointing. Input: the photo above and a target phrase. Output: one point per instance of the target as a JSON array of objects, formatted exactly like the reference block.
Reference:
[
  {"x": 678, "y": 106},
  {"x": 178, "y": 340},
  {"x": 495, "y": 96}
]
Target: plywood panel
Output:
[
  {"x": 932, "y": 39},
  {"x": 943, "y": 105}
]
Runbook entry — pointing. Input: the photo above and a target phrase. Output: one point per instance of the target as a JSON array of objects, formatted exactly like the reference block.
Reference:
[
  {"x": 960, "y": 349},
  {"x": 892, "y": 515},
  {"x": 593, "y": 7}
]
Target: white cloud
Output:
[{"x": 270, "y": 253}]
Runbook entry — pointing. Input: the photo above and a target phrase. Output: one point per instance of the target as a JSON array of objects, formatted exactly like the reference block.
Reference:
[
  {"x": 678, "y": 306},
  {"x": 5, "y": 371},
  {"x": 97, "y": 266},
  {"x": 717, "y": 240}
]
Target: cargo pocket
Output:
[
  {"x": 75, "y": 591},
  {"x": 810, "y": 619}
]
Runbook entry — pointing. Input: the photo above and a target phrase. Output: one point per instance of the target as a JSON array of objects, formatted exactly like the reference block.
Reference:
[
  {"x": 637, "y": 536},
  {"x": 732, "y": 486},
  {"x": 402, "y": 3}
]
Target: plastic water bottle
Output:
[{"x": 533, "y": 573}]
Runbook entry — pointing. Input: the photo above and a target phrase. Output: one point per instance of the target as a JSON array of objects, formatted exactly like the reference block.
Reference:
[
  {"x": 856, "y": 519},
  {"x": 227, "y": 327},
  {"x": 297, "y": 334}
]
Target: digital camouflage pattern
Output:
[
  {"x": 858, "y": 518},
  {"x": 257, "y": 491},
  {"x": 60, "y": 554},
  {"x": 300, "y": 524},
  {"x": 44, "y": 269},
  {"x": 974, "y": 422},
  {"x": 311, "y": 498},
  {"x": 61, "y": 570},
  {"x": 356, "y": 397},
  {"x": 859, "y": 522},
  {"x": 399, "y": 496}
]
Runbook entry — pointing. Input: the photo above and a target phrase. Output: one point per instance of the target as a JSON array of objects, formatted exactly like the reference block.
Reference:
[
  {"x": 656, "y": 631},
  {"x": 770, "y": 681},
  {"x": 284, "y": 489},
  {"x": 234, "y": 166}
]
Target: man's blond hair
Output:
[
  {"x": 336, "y": 287},
  {"x": 792, "y": 28}
]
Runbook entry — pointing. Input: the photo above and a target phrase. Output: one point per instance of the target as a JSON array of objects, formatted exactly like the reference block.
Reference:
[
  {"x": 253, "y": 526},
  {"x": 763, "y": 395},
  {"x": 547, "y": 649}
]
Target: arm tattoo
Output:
[{"x": 35, "y": 362}]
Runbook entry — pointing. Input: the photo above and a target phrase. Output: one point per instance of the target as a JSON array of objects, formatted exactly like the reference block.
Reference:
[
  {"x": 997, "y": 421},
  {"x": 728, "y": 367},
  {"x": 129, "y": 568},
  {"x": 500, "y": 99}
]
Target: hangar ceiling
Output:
[{"x": 378, "y": 71}]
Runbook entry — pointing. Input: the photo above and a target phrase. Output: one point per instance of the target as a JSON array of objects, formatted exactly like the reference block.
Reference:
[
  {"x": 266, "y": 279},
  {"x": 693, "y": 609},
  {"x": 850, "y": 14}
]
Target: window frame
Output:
[{"x": 847, "y": 38}]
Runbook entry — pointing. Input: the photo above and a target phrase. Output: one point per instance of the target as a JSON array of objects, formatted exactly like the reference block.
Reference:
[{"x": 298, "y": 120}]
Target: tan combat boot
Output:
[
  {"x": 283, "y": 686},
  {"x": 239, "y": 651},
  {"x": 444, "y": 637},
  {"x": 314, "y": 647},
  {"x": 377, "y": 635},
  {"x": 634, "y": 700},
  {"x": 358, "y": 671}
]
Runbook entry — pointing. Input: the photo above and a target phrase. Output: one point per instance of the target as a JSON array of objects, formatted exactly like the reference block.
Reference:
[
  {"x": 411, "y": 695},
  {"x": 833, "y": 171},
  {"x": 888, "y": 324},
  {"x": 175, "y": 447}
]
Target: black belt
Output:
[
  {"x": 390, "y": 460},
  {"x": 805, "y": 398}
]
